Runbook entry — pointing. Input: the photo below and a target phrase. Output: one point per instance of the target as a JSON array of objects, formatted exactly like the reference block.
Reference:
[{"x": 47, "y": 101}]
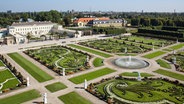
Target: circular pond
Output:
[{"x": 131, "y": 63}]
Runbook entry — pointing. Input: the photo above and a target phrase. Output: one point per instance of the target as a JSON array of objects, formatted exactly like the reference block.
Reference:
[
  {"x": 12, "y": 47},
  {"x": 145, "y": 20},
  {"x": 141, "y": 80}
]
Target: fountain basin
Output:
[{"x": 131, "y": 63}]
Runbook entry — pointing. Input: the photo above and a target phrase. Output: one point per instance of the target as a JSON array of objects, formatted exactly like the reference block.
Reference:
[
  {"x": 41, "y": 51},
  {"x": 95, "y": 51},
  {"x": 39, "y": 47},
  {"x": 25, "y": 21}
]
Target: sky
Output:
[{"x": 93, "y": 5}]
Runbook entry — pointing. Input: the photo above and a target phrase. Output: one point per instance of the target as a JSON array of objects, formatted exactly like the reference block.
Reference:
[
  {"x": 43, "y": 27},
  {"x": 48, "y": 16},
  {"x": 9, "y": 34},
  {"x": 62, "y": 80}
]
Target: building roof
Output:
[
  {"x": 90, "y": 19},
  {"x": 32, "y": 23},
  {"x": 110, "y": 20}
]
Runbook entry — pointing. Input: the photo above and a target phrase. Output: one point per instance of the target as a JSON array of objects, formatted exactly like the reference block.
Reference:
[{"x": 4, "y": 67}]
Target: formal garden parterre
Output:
[
  {"x": 123, "y": 45},
  {"x": 59, "y": 57},
  {"x": 129, "y": 90},
  {"x": 10, "y": 78},
  {"x": 177, "y": 59}
]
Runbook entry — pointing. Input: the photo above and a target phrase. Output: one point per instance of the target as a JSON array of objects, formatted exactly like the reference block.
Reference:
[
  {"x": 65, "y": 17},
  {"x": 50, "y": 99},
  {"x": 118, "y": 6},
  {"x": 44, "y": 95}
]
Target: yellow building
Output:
[
  {"x": 84, "y": 21},
  {"x": 108, "y": 23}
]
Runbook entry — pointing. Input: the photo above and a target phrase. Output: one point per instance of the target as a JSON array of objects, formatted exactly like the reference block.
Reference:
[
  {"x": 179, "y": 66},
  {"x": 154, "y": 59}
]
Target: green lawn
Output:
[
  {"x": 20, "y": 98},
  {"x": 154, "y": 54},
  {"x": 90, "y": 50},
  {"x": 56, "y": 87},
  {"x": 32, "y": 69},
  {"x": 177, "y": 46},
  {"x": 163, "y": 64},
  {"x": 98, "y": 62},
  {"x": 1, "y": 63},
  {"x": 74, "y": 98},
  {"x": 142, "y": 91},
  {"x": 167, "y": 49},
  {"x": 170, "y": 74},
  {"x": 135, "y": 74},
  {"x": 91, "y": 75},
  {"x": 6, "y": 74}
]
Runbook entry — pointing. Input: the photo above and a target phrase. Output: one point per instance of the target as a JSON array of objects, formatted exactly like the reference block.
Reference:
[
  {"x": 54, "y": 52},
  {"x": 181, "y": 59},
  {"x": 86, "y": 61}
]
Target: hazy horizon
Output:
[{"x": 93, "y": 5}]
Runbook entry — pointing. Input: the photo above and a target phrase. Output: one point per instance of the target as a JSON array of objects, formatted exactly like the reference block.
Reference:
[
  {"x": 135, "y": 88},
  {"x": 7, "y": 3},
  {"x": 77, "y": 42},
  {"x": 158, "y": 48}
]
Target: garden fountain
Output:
[{"x": 131, "y": 63}]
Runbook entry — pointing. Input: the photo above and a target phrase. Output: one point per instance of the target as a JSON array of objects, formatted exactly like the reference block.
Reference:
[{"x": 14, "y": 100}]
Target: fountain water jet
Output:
[{"x": 131, "y": 63}]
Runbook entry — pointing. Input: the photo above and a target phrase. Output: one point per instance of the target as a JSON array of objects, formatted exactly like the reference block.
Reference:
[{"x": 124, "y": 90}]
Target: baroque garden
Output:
[{"x": 91, "y": 71}]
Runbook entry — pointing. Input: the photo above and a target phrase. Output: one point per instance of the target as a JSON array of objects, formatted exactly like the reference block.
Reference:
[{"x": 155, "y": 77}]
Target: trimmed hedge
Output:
[
  {"x": 158, "y": 36},
  {"x": 171, "y": 28},
  {"x": 162, "y": 33},
  {"x": 108, "y": 30},
  {"x": 115, "y": 31}
]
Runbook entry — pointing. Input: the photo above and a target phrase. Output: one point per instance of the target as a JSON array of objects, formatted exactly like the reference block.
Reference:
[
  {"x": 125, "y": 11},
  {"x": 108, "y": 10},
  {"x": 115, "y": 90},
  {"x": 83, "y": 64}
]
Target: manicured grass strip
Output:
[
  {"x": 167, "y": 49},
  {"x": 56, "y": 87},
  {"x": 91, "y": 75},
  {"x": 74, "y": 98},
  {"x": 177, "y": 46},
  {"x": 1, "y": 63},
  {"x": 90, "y": 50},
  {"x": 163, "y": 64},
  {"x": 135, "y": 74},
  {"x": 20, "y": 98},
  {"x": 170, "y": 74},
  {"x": 98, "y": 62},
  {"x": 154, "y": 54},
  {"x": 32, "y": 69},
  {"x": 5, "y": 75}
]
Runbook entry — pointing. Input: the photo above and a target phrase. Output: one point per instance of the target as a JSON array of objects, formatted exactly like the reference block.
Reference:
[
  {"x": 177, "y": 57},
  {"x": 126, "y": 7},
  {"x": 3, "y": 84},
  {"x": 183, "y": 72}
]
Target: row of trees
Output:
[
  {"x": 162, "y": 33},
  {"x": 53, "y": 15},
  {"x": 156, "y": 22},
  {"x": 65, "y": 18}
]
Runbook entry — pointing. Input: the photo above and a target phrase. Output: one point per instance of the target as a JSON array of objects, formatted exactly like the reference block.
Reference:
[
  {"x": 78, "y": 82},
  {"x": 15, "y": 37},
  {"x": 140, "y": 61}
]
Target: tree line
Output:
[
  {"x": 156, "y": 22},
  {"x": 65, "y": 18},
  {"x": 53, "y": 16}
]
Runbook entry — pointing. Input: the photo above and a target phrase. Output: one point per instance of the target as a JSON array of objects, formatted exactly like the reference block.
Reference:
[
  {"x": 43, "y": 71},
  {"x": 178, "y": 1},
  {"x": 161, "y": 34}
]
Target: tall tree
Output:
[
  {"x": 28, "y": 36},
  {"x": 25, "y": 17}
]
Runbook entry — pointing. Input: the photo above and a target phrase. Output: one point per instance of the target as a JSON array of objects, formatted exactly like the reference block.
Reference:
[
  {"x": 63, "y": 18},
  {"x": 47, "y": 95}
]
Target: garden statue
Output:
[
  {"x": 174, "y": 52},
  {"x": 87, "y": 59},
  {"x": 153, "y": 48},
  {"x": 125, "y": 49},
  {"x": 28, "y": 83},
  {"x": 162, "y": 45},
  {"x": 174, "y": 60},
  {"x": 85, "y": 84},
  {"x": 139, "y": 76},
  {"x": 63, "y": 71},
  {"x": 45, "y": 98}
]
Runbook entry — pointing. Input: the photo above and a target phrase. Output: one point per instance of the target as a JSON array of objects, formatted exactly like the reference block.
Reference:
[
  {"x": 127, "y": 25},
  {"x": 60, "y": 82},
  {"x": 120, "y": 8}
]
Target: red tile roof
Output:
[{"x": 90, "y": 19}]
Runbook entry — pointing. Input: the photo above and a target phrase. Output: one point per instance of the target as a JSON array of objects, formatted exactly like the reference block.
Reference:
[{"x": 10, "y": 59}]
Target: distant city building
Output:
[
  {"x": 108, "y": 23},
  {"x": 84, "y": 21},
  {"x": 9, "y": 11}
]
